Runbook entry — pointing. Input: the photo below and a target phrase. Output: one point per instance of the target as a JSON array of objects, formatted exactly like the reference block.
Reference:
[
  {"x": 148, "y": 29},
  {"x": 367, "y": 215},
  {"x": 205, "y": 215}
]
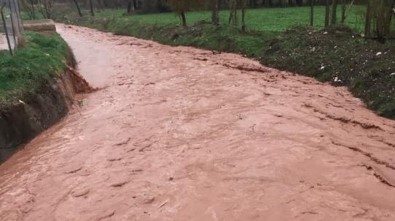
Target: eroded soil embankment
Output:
[
  {"x": 179, "y": 133},
  {"x": 26, "y": 117}
]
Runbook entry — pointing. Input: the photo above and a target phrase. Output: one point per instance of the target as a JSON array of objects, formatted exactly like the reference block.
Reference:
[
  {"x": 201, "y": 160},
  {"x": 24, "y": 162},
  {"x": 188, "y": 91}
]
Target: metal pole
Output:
[
  {"x": 12, "y": 23},
  {"x": 5, "y": 29},
  {"x": 13, "y": 12},
  {"x": 18, "y": 13}
]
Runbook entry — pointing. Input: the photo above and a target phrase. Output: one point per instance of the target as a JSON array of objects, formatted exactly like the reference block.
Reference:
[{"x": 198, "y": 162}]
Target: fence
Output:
[{"x": 11, "y": 25}]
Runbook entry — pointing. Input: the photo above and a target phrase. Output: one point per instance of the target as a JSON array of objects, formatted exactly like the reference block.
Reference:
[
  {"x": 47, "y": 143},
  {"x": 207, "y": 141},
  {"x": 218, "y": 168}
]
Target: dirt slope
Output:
[{"x": 187, "y": 134}]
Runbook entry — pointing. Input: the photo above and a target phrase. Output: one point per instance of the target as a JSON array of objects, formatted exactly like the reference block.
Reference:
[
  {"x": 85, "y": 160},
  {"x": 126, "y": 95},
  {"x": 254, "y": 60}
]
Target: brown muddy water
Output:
[{"x": 185, "y": 134}]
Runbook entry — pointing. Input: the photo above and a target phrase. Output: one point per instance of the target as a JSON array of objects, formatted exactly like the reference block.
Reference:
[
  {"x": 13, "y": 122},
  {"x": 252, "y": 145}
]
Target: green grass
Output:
[
  {"x": 37, "y": 61},
  {"x": 264, "y": 19}
]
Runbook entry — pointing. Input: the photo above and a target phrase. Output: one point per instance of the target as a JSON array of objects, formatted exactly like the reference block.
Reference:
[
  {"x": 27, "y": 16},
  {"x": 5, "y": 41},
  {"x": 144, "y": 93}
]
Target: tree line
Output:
[{"x": 378, "y": 17}]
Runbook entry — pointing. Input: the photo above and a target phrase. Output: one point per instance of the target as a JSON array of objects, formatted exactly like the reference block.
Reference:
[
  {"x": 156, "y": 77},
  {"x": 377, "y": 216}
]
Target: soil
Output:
[
  {"x": 23, "y": 119},
  {"x": 178, "y": 133}
]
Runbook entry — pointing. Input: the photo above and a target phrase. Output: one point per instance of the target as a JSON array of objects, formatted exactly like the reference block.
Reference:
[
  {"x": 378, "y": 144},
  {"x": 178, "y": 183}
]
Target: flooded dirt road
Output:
[{"x": 185, "y": 134}]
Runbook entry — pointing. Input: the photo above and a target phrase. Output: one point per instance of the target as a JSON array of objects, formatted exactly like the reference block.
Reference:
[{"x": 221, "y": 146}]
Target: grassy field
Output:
[
  {"x": 38, "y": 60},
  {"x": 262, "y": 19}
]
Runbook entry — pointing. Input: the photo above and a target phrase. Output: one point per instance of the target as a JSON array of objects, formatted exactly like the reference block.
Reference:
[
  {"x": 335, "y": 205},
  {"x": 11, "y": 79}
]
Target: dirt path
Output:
[{"x": 184, "y": 134}]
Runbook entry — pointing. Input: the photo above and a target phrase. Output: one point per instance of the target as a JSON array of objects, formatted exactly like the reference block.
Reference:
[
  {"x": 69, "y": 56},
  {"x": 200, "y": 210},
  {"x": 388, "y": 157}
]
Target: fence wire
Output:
[{"x": 11, "y": 25}]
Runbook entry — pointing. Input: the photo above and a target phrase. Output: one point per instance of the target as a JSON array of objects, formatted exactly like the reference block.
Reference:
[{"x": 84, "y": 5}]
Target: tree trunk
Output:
[
  {"x": 91, "y": 8},
  {"x": 99, "y": 4},
  {"x": 334, "y": 12},
  {"x": 33, "y": 10},
  {"x": 383, "y": 19},
  {"x": 134, "y": 4},
  {"x": 327, "y": 13},
  {"x": 243, "y": 17},
  {"x": 78, "y": 8},
  {"x": 129, "y": 7},
  {"x": 299, "y": 2},
  {"x": 233, "y": 13},
  {"x": 183, "y": 19},
  {"x": 392, "y": 10},
  {"x": 368, "y": 19},
  {"x": 268, "y": 3},
  {"x": 343, "y": 17},
  {"x": 215, "y": 12},
  {"x": 235, "y": 18},
  {"x": 312, "y": 12},
  {"x": 253, "y": 3}
]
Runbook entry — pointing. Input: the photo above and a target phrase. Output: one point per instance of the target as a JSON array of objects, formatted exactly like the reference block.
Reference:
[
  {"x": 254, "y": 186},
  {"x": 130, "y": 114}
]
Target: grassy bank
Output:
[
  {"x": 339, "y": 56},
  {"x": 39, "y": 59}
]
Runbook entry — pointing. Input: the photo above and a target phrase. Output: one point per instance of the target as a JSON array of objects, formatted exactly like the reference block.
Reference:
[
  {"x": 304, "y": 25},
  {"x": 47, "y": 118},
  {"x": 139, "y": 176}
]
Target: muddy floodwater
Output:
[{"x": 178, "y": 133}]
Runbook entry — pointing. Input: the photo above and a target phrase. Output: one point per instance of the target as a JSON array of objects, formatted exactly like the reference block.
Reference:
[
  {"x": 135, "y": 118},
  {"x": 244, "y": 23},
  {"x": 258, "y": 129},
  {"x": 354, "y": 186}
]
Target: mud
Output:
[{"x": 178, "y": 133}]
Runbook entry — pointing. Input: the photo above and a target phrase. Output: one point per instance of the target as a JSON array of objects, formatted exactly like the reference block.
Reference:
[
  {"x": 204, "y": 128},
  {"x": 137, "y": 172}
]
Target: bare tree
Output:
[
  {"x": 233, "y": 18},
  {"x": 78, "y": 8},
  {"x": 182, "y": 6},
  {"x": 379, "y": 15},
  {"x": 28, "y": 6},
  {"x": 235, "y": 6},
  {"x": 346, "y": 9},
  {"x": 45, "y": 8}
]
